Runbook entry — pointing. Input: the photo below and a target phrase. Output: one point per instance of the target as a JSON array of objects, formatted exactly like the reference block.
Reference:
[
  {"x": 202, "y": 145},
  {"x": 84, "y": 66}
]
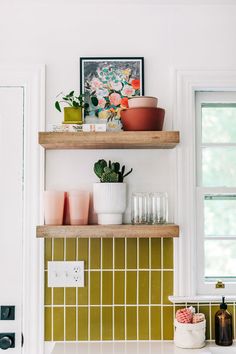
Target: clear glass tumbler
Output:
[
  {"x": 139, "y": 208},
  {"x": 158, "y": 208}
]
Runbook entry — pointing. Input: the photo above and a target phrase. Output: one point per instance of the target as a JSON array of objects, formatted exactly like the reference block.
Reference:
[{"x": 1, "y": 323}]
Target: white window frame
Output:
[
  {"x": 208, "y": 97},
  {"x": 185, "y": 85}
]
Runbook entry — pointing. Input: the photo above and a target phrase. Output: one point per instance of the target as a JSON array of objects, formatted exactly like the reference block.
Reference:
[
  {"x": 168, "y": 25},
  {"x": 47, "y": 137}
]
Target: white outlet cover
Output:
[{"x": 66, "y": 274}]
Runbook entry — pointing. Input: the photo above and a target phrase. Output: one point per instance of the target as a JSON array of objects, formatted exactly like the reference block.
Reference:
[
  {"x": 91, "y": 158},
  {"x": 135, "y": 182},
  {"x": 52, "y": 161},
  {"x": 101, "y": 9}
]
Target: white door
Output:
[
  {"x": 11, "y": 212},
  {"x": 21, "y": 180}
]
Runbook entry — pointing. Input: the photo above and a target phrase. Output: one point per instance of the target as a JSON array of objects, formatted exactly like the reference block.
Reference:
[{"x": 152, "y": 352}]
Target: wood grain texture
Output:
[
  {"x": 109, "y": 140},
  {"x": 97, "y": 231}
]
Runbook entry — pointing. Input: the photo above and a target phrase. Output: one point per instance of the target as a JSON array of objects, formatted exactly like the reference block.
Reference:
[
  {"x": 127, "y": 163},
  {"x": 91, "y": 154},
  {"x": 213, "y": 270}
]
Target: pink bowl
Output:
[{"x": 142, "y": 101}]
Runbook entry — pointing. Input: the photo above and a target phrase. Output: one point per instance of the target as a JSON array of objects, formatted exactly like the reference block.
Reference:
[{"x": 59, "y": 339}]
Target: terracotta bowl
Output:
[
  {"x": 143, "y": 118},
  {"x": 142, "y": 101}
]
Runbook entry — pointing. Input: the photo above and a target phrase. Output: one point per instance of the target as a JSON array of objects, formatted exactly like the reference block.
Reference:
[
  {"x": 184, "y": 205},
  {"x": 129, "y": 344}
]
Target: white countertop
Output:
[{"x": 149, "y": 347}]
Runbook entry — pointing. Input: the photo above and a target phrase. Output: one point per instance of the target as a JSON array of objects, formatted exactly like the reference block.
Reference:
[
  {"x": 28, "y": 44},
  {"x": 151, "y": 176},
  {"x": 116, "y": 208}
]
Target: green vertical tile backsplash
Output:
[{"x": 127, "y": 302}]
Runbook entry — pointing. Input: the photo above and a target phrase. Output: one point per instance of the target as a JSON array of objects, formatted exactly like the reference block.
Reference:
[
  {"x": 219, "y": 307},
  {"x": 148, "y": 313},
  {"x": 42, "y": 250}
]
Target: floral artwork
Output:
[{"x": 113, "y": 81}]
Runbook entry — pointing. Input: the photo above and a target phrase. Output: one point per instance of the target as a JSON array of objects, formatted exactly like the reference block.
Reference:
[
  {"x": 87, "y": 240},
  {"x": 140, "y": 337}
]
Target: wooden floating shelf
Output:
[
  {"x": 106, "y": 231},
  {"x": 109, "y": 140}
]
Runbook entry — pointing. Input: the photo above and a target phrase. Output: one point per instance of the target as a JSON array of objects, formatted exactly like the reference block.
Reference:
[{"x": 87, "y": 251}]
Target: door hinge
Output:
[{"x": 22, "y": 340}]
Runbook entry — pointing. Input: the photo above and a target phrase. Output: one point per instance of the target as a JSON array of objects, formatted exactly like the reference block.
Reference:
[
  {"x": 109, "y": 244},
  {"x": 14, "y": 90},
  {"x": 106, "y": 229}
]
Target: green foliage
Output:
[
  {"x": 74, "y": 101},
  {"x": 111, "y": 172}
]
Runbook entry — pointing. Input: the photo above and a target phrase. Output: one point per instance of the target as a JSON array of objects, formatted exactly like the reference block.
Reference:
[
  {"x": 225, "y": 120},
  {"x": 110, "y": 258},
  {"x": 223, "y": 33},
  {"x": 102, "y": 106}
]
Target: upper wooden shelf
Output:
[
  {"x": 110, "y": 140},
  {"x": 97, "y": 231}
]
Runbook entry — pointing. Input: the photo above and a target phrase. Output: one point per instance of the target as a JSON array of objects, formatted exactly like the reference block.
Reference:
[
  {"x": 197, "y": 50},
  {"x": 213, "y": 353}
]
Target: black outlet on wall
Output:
[{"x": 7, "y": 313}]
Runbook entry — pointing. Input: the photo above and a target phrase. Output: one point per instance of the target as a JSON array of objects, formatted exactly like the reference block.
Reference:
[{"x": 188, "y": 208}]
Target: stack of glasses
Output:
[{"x": 149, "y": 208}]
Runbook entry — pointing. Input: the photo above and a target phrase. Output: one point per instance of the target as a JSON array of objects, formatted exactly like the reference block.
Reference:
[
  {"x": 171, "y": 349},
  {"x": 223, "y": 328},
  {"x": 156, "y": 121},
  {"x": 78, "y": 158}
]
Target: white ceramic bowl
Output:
[{"x": 142, "y": 101}]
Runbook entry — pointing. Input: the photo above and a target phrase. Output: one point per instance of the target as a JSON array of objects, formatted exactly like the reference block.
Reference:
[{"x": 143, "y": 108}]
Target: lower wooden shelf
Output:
[{"x": 97, "y": 231}]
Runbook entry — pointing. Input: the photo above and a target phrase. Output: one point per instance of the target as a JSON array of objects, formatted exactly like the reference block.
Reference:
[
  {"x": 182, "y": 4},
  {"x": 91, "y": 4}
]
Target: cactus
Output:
[{"x": 110, "y": 173}]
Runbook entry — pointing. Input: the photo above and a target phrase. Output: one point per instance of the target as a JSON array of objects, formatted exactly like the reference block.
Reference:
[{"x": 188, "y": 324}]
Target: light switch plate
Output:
[{"x": 66, "y": 274}]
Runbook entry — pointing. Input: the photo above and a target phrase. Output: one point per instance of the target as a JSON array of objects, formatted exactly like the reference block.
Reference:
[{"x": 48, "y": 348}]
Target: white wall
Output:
[{"x": 57, "y": 33}]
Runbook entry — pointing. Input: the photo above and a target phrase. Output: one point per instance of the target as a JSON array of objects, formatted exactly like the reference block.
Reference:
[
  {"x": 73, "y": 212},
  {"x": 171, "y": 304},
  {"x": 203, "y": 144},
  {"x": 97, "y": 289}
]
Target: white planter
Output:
[
  {"x": 109, "y": 202},
  {"x": 190, "y": 335}
]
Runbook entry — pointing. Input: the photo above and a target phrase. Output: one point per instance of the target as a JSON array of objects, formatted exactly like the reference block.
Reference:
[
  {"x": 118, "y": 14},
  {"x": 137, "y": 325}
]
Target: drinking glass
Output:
[
  {"x": 157, "y": 208},
  {"x": 53, "y": 207},
  {"x": 78, "y": 207},
  {"x": 139, "y": 208}
]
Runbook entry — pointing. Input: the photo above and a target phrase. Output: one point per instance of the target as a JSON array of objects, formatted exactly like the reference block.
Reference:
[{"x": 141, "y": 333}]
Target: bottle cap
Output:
[{"x": 223, "y": 305}]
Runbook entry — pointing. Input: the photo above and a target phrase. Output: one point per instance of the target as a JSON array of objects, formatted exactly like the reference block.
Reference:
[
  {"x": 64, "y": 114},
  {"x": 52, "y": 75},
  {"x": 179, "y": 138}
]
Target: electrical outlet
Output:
[{"x": 66, "y": 274}]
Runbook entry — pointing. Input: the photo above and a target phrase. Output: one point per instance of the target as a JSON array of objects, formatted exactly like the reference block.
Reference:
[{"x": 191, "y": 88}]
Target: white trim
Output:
[
  {"x": 32, "y": 79},
  {"x": 200, "y": 299},
  {"x": 185, "y": 83}
]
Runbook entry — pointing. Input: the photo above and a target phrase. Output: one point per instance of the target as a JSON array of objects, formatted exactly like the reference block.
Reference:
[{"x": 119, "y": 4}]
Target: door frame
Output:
[{"x": 32, "y": 79}]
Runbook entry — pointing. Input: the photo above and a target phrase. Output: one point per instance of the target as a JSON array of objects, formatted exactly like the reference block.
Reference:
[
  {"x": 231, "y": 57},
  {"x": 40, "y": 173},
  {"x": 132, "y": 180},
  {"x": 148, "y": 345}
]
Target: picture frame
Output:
[{"x": 113, "y": 80}]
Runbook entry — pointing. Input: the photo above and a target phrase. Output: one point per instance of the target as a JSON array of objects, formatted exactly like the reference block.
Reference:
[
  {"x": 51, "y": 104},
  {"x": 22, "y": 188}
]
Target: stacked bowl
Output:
[{"x": 143, "y": 114}]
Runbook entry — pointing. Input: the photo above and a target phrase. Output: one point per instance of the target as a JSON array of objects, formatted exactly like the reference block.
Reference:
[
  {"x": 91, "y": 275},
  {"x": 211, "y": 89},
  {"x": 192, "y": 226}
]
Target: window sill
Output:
[{"x": 201, "y": 299}]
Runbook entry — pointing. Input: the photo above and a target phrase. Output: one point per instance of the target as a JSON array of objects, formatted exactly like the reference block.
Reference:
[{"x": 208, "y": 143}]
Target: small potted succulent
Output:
[
  {"x": 110, "y": 195},
  {"x": 73, "y": 113}
]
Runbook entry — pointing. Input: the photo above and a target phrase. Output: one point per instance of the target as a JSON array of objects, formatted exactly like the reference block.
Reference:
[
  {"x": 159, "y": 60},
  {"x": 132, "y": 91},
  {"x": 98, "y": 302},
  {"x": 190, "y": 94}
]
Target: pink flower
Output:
[
  {"x": 95, "y": 83},
  {"x": 102, "y": 102},
  {"x": 117, "y": 86},
  {"x": 115, "y": 99},
  {"x": 128, "y": 91}
]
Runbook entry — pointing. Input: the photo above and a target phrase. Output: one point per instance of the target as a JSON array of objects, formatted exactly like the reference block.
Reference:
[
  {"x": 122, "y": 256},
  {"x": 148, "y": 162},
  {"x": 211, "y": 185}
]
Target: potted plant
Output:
[
  {"x": 110, "y": 195},
  {"x": 73, "y": 113}
]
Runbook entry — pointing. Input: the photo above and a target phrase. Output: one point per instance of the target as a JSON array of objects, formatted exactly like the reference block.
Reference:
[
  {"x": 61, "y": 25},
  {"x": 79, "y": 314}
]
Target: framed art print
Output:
[{"x": 113, "y": 81}]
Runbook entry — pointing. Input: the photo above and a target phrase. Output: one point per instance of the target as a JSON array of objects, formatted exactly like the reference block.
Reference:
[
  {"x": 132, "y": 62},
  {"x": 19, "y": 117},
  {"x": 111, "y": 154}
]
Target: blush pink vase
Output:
[
  {"x": 53, "y": 207},
  {"x": 78, "y": 207}
]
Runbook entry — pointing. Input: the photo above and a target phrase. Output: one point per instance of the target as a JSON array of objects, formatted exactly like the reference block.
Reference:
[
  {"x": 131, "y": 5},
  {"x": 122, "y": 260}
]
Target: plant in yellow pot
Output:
[{"x": 73, "y": 113}]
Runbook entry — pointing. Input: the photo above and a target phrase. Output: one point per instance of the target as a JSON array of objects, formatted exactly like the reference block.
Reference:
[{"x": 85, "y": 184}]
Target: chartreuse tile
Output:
[
  {"x": 58, "y": 296},
  {"x": 95, "y": 253},
  {"x": 107, "y": 323},
  {"x": 119, "y": 253},
  {"x": 70, "y": 323},
  {"x": 71, "y": 296},
  {"x": 83, "y": 251},
  {"x": 131, "y": 253},
  {"x": 168, "y": 253},
  {"x": 95, "y": 288},
  {"x": 131, "y": 287},
  {"x": 119, "y": 322},
  {"x": 47, "y": 291},
  {"x": 167, "y": 286},
  {"x": 155, "y": 287},
  {"x": 48, "y": 323},
  {"x": 82, "y": 323},
  {"x": 107, "y": 288},
  {"x": 143, "y": 287},
  {"x": 58, "y": 323},
  {"x": 83, "y": 292},
  {"x": 168, "y": 323},
  {"x": 131, "y": 322},
  {"x": 143, "y": 253},
  {"x": 107, "y": 253},
  {"x": 156, "y": 323},
  {"x": 47, "y": 251},
  {"x": 70, "y": 249},
  {"x": 205, "y": 308},
  {"x": 156, "y": 253},
  {"x": 58, "y": 254},
  {"x": 119, "y": 296},
  {"x": 95, "y": 323},
  {"x": 143, "y": 322}
]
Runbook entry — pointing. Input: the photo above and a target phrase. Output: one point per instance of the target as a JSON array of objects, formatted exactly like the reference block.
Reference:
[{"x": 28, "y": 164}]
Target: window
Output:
[{"x": 215, "y": 191}]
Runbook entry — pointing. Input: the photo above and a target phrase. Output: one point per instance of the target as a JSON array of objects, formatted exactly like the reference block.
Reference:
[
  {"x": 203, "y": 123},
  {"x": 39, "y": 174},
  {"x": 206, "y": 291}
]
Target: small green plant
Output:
[
  {"x": 111, "y": 172},
  {"x": 74, "y": 101}
]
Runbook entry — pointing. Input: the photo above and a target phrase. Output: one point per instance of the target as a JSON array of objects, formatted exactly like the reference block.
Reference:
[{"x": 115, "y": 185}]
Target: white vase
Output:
[{"x": 109, "y": 202}]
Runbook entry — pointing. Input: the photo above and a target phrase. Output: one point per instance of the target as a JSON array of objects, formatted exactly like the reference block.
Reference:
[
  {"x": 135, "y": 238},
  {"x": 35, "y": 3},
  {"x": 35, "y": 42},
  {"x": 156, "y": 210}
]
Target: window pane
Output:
[
  {"x": 219, "y": 167},
  {"x": 220, "y": 258},
  {"x": 220, "y": 215},
  {"x": 218, "y": 123}
]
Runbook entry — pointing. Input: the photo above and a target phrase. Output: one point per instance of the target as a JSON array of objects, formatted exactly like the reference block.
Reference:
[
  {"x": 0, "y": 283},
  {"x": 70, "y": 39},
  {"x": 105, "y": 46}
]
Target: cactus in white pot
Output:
[{"x": 110, "y": 194}]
